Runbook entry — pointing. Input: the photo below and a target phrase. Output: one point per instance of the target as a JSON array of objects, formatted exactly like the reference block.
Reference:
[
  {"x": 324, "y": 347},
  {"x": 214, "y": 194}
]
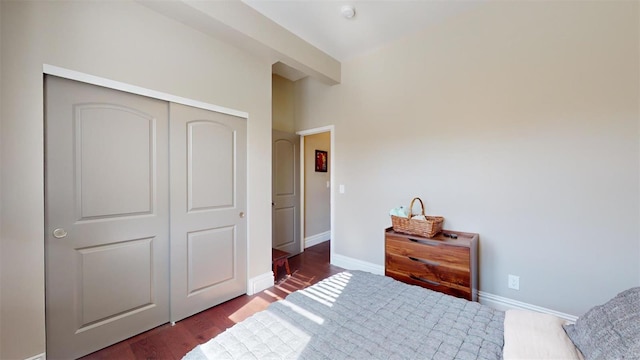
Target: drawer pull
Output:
[
  {"x": 423, "y": 242},
  {"x": 427, "y": 262},
  {"x": 434, "y": 283}
]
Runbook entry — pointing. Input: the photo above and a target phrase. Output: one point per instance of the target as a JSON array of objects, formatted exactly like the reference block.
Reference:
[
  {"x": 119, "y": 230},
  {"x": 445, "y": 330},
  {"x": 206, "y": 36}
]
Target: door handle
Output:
[
  {"x": 241, "y": 214},
  {"x": 59, "y": 233}
]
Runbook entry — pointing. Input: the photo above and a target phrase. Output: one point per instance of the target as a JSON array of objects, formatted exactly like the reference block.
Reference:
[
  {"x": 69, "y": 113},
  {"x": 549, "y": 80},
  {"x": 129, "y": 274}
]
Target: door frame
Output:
[
  {"x": 332, "y": 161},
  {"x": 116, "y": 85}
]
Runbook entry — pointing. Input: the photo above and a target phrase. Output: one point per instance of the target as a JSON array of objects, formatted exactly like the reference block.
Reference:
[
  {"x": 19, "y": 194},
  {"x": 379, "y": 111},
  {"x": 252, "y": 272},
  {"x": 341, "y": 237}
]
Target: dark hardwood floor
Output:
[{"x": 173, "y": 342}]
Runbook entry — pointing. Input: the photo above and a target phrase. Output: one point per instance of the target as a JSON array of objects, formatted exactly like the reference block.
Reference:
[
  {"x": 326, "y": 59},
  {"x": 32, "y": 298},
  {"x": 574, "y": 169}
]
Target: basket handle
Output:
[{"x": 411, "y": 207}]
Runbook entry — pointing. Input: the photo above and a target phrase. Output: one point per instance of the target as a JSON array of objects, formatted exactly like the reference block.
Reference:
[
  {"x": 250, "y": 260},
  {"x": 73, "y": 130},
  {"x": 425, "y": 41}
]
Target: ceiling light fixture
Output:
[{"x": 348, "y": 11}]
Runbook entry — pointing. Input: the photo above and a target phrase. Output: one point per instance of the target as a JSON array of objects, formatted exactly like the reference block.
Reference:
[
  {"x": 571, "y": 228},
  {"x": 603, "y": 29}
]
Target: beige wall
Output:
[
  {"x": 1, "y": 71},
  {"x": 280, "y": 43},
  {"x": 126, "y": 42},
  {"x": 317, "y": 216},
  {"x": 518, "y": 121},
  {"x": 282, "y": 109}
]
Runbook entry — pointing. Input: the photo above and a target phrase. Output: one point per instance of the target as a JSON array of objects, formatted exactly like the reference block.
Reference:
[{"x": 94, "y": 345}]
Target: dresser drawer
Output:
[
  {"x": 443, "y": 263},
  {"x": 428, "y": 270},
  {"x": 431, "y": 251},
  {"x": 458, "y": 291}
]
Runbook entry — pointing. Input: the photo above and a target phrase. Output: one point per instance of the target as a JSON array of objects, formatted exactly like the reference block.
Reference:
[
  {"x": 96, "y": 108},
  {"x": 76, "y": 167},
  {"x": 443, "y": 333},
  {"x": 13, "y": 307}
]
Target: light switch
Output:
[
  {"x": 341, "y": 188},
  {"x": 328, "y": 184}
]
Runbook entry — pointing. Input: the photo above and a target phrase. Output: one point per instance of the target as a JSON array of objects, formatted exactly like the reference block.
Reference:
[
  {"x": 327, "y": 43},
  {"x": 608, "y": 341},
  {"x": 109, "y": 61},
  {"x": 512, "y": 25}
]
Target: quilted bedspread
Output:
[{"x": 359, "y": 315}]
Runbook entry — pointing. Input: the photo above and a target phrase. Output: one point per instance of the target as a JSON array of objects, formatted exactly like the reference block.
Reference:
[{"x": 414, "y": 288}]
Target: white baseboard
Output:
[
  {"x": 42, "y": 356},
  {"x": 260, "y": 282},
  {"x": 317, "y": 239},
  {"x": 355, "y": 264},
  {"x": 494, "y": 301},
  {"x": 503, "y": 303}
]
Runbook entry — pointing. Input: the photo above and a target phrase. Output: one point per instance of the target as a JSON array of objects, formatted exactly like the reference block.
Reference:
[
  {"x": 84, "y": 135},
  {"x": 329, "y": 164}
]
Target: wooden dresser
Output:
[{"x": 440, "y": 263}]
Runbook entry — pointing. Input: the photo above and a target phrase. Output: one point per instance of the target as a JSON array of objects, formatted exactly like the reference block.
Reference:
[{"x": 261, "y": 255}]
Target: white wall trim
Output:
[
  {"x": 259, "y": 283},
  {"x": 265, "y": 281},
  {"x": 355, "y": 264},
  {"x": 112, "y": 84},
  {"x": 503, "y": 303},
  {"x": 316, "y": 130},
  {"x": 42, "y": 356},
  {"x": 302, "y": 209},
  {"x": 494, "y": 301},
  {"x": 317, "y": 239}
]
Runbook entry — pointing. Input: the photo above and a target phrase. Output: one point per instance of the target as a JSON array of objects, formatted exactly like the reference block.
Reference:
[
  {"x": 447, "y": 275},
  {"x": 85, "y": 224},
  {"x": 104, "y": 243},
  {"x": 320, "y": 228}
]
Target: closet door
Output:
[
  {"x": 106, "y": 216},
  {"x": 208, "y": 201}
]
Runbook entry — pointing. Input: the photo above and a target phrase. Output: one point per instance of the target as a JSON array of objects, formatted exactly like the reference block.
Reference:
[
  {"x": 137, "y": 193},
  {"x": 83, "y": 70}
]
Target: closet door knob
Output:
[
  {"x": 59, "y": 233},
  {"x": 241, "y": 214}
]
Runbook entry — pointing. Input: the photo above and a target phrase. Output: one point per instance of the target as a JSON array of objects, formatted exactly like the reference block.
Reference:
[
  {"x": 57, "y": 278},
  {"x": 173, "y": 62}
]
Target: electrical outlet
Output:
[{"x": 514, "y": 282}]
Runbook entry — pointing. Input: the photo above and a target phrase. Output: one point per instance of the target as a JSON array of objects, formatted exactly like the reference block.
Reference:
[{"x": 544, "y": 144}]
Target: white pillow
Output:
[{"x": 532, "y": 335}]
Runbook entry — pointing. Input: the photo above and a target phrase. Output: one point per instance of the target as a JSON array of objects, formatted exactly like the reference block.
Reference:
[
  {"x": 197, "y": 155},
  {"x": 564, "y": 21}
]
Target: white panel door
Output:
[
  {"x": 286, "y": 192},
  {"x": 208, "y": 201},
  {"x": 106, "y": 216}
]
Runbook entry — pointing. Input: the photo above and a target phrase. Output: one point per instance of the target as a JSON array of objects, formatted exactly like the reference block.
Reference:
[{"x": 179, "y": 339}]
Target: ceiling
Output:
[{"x": 376, "y": 22}]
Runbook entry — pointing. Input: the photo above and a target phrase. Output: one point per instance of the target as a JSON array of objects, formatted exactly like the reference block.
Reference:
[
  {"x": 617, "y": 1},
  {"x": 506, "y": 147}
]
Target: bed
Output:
[{"x": 359, "y": 315}]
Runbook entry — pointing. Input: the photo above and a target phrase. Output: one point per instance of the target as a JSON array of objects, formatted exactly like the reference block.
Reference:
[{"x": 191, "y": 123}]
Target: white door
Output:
[
  {"x": 286, "y": 192},
  {"x": 208, "y": 201},
  {"x": 106, "y": 214}
]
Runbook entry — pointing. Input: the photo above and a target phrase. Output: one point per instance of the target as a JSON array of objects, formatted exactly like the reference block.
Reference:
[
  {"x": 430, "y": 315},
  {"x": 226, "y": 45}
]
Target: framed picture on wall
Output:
[{"x": 321, "y": 161}]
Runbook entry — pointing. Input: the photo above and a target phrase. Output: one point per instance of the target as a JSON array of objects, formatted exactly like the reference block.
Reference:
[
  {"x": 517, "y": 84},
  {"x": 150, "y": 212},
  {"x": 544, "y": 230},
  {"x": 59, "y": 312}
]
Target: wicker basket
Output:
[{"x": 425, "y": 228}]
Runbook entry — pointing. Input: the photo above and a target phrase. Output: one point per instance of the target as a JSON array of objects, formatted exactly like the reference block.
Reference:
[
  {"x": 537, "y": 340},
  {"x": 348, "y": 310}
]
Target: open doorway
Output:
[
  {"x": 316, "y": 179},
  {"x": 302, "y": 204}
]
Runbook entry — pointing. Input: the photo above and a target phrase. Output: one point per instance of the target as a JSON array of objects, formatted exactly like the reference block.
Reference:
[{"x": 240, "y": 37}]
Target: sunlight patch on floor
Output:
[
  {"x": 325, "y": 292},
  {"x": 297, "y": 281},
  {"x": 253, "y": 306},
  {"x": 283, "y": 289},
  {"x": 273, "y": 295}
]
